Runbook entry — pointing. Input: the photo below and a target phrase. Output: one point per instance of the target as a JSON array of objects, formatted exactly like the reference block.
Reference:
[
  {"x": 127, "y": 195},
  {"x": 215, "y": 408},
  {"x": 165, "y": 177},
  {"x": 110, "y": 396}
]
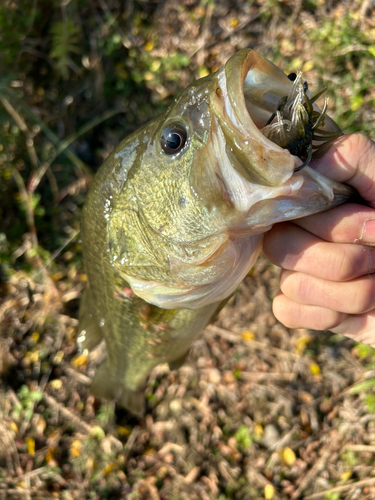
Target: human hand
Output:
[{"x": 327, "y": 280}]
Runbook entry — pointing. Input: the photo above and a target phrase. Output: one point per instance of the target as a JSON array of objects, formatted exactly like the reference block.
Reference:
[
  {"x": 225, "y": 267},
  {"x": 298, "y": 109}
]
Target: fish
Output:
[{"x": 175, "y": 217}]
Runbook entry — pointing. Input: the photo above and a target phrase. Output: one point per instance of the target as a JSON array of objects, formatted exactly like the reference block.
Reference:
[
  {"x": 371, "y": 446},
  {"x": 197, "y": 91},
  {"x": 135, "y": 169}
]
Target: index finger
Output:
[
  {"x": 349, "y": 223},
  {"x": 351, "y": 160}
]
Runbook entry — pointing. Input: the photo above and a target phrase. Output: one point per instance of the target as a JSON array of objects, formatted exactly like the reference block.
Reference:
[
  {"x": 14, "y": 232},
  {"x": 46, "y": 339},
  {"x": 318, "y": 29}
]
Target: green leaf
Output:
[
  {"x": 243, "y": 437},
  {"x": 363, "y": 386},
  {"x": 65, "y": 38},
  {"x": 370, "y": 402}
]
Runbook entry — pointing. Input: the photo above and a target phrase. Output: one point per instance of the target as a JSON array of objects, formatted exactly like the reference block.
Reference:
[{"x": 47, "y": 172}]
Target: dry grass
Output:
[{"x": 258, "y": 411}]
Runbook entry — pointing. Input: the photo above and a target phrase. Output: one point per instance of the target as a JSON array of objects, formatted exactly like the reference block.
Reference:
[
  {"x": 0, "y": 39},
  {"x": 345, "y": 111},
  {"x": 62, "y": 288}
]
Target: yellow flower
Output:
[
  {"x": 269, "y": 492},
  {"x": 288, "y": 456},
  {"x": 75, "y": 448},
  {"x": 247, "y": 335},
  {"x": 314, "y": 369},
  {"x": 30, "y": 445}
]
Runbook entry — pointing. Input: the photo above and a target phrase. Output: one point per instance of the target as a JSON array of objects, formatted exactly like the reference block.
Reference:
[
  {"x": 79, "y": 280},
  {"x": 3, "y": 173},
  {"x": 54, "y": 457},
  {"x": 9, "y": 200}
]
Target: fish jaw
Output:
[
  {"x": 258, "y": 177},
  {"x": 313, "y": 193}
]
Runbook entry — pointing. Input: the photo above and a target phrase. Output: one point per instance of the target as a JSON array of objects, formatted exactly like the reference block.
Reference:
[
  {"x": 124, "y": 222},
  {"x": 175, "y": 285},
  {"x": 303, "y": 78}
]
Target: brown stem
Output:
[
  {"x": 28, "y": 206},
  {"x": 23, "y": 127}
]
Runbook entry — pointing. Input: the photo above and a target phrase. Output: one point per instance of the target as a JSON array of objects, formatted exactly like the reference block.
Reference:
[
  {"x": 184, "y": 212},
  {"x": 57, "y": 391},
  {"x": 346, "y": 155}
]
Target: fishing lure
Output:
[{"x": 297, "y": 123}]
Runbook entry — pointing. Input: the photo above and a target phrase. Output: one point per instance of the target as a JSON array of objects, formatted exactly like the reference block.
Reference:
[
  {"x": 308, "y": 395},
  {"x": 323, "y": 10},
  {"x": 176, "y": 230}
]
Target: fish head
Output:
[{"x": 203, "y": 184}]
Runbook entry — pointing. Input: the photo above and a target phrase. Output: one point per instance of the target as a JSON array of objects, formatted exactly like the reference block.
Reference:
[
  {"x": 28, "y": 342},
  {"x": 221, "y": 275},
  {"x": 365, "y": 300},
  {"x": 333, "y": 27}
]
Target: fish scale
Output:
[{"x": 175, "y": 217}]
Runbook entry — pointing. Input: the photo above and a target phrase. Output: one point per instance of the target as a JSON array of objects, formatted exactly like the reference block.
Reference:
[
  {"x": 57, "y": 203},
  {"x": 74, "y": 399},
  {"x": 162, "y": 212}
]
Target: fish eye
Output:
[{"x": 173, "y": 139}]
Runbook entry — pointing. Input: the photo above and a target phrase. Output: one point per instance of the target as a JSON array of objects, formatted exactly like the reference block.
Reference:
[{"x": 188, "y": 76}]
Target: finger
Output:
[
  {"x": 295, "y": 249},
  {"x": 350, "y": 223},
  {"x": 352, "y": 297},
  {"x": 351, "y": 159},
  {"x": 360, "y": 327},
  {"x": 295, "y": 315}
]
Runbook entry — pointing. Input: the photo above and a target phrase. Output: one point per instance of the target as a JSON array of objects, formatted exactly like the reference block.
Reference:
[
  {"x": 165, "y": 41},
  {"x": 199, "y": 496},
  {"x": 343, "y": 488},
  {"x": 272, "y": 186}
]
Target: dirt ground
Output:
[{"x": 258, "y": 410}]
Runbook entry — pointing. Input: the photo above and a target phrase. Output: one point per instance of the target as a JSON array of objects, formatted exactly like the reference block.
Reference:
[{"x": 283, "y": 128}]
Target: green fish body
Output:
[{"x": 175, "y": 217}]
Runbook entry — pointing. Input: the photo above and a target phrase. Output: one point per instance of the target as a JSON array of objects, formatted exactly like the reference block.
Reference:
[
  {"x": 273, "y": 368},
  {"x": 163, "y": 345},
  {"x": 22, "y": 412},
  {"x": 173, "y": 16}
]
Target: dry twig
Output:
[
  {"x": 313, "y": 472},
  {"x": 77, "y": 421},
  {"x": 339, "y": 489}
]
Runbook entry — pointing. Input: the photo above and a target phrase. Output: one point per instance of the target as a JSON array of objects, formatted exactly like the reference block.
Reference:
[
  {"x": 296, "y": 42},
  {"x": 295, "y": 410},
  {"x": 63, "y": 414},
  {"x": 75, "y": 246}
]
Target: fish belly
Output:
[{"x": 138, "y": 337}]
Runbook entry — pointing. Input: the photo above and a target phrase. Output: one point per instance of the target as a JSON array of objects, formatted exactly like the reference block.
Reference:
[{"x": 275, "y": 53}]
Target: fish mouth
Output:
[
  {"x": 249, "y": 89},
  {"x": 280, "y": 106},
  {"x": 257, "y": 175},
  {"x": 255, "y": 87}
]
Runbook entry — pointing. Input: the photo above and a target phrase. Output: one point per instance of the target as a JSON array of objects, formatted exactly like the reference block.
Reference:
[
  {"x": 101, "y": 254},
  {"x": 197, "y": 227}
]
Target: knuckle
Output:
[
  {"x": 340, "y": 264},
  {"x": 351, "y": 262},
  {"x": 364, "y": 295},
  {"x": 303, "y": 288},
  {"x": 347, "y": 263}
]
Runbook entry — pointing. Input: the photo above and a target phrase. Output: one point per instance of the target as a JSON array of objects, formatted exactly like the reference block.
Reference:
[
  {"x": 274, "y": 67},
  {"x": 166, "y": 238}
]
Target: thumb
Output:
[{"x": 351, "y": 159}]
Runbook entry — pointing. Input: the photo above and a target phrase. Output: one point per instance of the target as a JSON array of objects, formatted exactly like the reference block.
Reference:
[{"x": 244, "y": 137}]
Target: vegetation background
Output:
[{"x": 259, "y": 411}]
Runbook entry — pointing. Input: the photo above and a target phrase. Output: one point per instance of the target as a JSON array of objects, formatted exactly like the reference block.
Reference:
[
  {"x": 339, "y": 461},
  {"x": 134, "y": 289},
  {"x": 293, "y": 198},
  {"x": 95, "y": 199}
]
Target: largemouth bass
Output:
[{"x": 176, "y": 215}]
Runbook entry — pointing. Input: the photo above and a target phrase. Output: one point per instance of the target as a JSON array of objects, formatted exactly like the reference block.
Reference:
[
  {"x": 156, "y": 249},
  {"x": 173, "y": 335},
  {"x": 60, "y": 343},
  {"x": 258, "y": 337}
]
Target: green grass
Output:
[{"x": 76, "y": 78}]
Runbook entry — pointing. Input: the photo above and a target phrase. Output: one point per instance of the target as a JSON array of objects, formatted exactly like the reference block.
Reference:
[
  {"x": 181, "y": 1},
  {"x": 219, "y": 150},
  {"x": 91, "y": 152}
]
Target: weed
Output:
[
  {"x": 65, "y": 38},
  {"x": 77, "y": 77},
  {"x": 370, "y": 402},
  {"x": 105, "y": 414},
  {"x": 332, "y": 496},
  {"x": 27, "y": 399},
  {"x": 243, "y": 437},
  {"x": 349, "y": 75},
  {"x": 349, "y": 458}
]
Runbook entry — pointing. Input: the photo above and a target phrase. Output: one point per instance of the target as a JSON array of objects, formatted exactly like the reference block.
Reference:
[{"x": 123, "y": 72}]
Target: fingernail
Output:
[{"x": 368, "y": 232}]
